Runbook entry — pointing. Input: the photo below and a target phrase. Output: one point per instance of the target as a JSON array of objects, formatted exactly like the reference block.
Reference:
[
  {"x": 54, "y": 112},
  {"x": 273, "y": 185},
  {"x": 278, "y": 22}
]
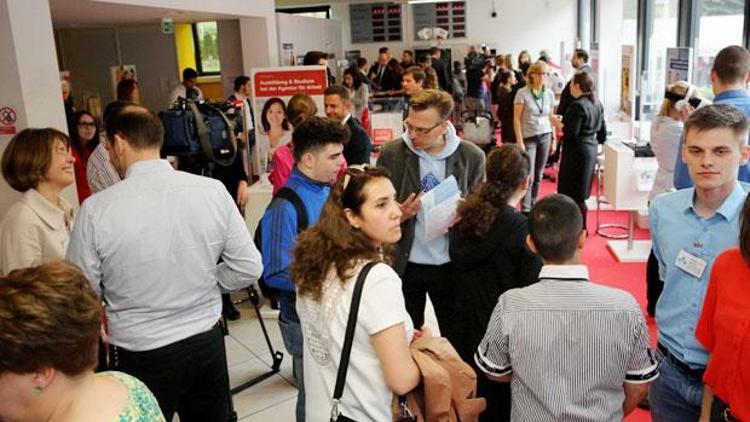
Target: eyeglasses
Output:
[
  {"x": 86, "y": 124},
  {"x": 408, "y": 128}
]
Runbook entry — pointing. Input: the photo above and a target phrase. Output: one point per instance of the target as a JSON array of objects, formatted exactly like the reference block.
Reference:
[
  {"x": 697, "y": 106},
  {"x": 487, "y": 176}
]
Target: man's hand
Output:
[
  {"x": 411, "y": 206},
  {"x": 242, "y": 194}
]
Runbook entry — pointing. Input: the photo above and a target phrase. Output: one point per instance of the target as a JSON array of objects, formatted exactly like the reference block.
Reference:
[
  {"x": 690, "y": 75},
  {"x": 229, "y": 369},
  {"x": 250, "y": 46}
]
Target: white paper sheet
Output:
[{"x": 439, "y": 208}]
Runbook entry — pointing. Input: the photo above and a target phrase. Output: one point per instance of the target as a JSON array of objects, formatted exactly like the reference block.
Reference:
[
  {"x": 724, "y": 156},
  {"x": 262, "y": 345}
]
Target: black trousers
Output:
[
  {"x": 437, "y": 281},
  {"x": 188, "y": 377}
]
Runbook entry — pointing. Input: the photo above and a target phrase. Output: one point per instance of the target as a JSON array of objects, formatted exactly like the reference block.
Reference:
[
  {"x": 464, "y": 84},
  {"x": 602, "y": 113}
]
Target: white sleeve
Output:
[
  {"x": 382, "y": 304},
  {"x": 242, "y": 264}
]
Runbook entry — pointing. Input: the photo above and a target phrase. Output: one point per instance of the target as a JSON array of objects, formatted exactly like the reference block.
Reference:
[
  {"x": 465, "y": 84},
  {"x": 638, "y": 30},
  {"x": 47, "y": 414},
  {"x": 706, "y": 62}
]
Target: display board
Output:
[
  {"x": 375, "y": 22},
  {"x": 679, "y": 65},
  {"x": 272, "y": 89},
  {"x": 450, "y": 16}
]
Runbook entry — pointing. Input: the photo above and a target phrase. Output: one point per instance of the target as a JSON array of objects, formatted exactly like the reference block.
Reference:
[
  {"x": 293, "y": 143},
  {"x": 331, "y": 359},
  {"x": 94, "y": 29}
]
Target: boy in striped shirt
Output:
[{"x": 571, "y": 349}]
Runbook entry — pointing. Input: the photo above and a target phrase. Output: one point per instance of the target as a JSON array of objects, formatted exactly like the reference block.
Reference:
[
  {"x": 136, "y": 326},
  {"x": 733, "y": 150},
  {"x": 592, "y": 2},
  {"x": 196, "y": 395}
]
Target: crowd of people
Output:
[{"x": 114, "y": 311}]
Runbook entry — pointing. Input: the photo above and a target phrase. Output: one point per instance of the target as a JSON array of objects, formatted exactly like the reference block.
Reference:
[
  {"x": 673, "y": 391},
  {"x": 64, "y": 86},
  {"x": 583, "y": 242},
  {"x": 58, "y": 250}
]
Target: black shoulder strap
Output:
[
  {"x": 291, "y": 196},
  {"x": 351, "y": 324}
]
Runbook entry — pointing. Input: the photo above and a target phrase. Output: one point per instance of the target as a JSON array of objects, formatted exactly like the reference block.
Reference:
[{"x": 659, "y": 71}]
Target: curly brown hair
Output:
[
  {"x": 507, "y": 168},
  {"x": 332, "y": 241},
  {"x": 49, "y": 318}
]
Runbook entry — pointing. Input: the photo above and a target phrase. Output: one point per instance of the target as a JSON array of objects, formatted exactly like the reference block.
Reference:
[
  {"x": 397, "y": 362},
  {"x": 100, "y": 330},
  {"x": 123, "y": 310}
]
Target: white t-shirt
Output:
[{"x": 366, "y": 395}]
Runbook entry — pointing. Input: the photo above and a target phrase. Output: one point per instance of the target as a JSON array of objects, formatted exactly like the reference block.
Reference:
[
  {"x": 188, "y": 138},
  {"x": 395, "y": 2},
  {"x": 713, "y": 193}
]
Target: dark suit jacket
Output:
[
  {"x": 566, "y": 98},
  {"x": 357, "y": 150},
  {"x": 466, "y": 164},
  {"x": 442, "y": 74}
]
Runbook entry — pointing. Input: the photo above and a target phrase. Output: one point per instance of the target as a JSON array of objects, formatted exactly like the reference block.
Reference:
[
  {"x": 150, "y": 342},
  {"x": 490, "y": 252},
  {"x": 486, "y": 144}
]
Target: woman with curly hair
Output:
[
  {"x": 488, "y": 247},
  {"x": 49, "y": 328},
  {"x": 359, "y": 222}
]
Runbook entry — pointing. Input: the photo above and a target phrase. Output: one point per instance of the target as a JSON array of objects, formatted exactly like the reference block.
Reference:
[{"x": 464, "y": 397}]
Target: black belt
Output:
[{"x": 680, "y": 365}]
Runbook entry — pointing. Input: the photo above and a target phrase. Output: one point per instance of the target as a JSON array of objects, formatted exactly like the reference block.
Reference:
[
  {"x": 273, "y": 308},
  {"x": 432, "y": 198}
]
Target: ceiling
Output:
[{"x": 91, "y": 14}]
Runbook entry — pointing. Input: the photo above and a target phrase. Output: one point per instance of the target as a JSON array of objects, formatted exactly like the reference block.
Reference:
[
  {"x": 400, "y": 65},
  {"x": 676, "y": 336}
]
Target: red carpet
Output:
[{"x": 604, "y": 269}]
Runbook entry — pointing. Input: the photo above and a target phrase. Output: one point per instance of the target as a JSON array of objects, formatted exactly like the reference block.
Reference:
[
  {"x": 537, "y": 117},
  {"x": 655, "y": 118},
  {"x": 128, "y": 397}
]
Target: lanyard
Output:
[{"x": 538, "y": 106}]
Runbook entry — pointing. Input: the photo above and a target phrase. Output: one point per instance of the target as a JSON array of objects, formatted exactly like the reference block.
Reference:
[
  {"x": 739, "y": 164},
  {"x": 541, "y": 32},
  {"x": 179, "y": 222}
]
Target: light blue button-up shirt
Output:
[
  {"x": 149, "y": 245},
  {"x": 676, "y": 226}
]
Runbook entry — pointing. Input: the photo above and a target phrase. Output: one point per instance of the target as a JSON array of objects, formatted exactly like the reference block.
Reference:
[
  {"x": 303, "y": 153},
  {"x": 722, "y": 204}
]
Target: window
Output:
[
  {"x": 629, "y": 22},
  {"x": 660, "y": 33},
  {"x": 206, "y": 41},
  {"x": 720, "y": 25}
]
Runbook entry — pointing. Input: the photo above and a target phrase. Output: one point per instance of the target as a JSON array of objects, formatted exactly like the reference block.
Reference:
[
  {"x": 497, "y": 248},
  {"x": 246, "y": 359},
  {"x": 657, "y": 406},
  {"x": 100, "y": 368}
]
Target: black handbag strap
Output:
[{"x": 351, "y": 324}]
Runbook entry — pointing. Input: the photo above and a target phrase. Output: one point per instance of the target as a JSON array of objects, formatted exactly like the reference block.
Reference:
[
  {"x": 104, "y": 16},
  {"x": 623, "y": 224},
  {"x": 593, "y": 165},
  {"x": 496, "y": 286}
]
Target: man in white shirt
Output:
[
  {"x": 188, "y": 88},
  {"x": 149, "y": 245}
]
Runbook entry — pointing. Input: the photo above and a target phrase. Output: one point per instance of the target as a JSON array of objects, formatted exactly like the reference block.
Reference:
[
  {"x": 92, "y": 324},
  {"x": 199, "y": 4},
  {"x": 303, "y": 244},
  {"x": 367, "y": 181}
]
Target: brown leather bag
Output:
[{"x": 447, "y": 392}]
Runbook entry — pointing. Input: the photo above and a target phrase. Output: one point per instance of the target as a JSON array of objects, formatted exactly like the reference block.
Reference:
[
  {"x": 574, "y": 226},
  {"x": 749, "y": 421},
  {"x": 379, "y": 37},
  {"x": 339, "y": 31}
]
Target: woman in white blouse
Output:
[
  {"x": 35, "y": 230},
  {"x": 666, "y": 132},
  {"x": 359, "y": 223}
]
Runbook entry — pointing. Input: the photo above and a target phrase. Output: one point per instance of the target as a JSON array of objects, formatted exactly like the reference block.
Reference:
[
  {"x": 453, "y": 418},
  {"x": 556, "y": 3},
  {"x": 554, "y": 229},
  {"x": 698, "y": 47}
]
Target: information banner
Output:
[
  {"x": 627, "y": 81},
  {"x": 679, "y": 65},
  {"x": 272, "y": 89}
]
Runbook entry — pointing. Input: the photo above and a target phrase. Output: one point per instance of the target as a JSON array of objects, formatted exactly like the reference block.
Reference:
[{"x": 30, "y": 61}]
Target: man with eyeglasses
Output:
[{"x": 429, "y": 152}]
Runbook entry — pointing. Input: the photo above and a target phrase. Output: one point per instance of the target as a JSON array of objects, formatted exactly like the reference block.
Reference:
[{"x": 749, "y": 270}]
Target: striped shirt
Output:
[
  {"x": 570, "y": 346},
  {"x": 99, "y": 170}
]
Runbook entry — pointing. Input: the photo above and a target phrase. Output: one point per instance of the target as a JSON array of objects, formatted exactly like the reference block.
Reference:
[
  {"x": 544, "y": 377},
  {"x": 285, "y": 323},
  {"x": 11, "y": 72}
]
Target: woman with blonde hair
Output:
[
  {"x": 36, "y": 229},
  {"x": 360, "y": 222},
  {"x": 533, "y": 120},
  {"x": 49, "y": 327},
  {"x": 666, "y": 132}
]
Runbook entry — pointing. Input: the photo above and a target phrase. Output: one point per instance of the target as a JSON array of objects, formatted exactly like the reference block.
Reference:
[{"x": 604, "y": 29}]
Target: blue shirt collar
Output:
[
  {"x": 148, "y": 166},
  {"x": 728, "y": 209},
  {"x": 732, "y": 93},
  {"x": 296, "y": 174}
]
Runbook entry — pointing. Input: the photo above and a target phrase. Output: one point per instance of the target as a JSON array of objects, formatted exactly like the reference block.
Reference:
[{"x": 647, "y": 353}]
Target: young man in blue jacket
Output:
[{"x": 318, "y": 146}]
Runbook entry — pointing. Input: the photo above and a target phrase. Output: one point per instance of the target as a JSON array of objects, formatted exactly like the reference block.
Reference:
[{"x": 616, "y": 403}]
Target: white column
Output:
[
  {"x": 260, "y": 47},
  {"x": 29, "y": 76}
]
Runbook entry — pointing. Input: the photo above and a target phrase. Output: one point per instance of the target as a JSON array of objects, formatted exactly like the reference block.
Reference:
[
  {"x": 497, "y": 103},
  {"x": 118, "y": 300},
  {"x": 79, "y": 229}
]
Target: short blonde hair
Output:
[
  {"x": 432, "y": 98},
  {"x": 537, "y": 67},
  {"x": 28, "y": 156}
]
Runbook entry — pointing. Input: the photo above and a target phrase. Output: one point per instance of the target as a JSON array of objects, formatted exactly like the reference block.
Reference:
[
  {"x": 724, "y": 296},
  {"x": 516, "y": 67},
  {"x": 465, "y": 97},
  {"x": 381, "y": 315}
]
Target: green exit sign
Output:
[{"x": 167, "y": 25}]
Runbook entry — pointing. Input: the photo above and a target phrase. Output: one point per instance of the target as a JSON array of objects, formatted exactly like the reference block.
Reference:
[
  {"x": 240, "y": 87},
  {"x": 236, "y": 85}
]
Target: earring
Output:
[{"x": 36, "y": 390}]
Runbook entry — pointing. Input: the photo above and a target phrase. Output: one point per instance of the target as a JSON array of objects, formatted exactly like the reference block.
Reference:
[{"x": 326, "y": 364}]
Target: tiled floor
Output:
[{"x": 247, "y": 353}]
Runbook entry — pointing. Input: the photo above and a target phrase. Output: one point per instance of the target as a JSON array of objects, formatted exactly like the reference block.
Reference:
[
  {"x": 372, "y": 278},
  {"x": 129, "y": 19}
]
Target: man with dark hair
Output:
[
  {"x": 188, "y": 89},
  {"x": 444, "y": 81},
  {"x": 319, "y": 58},
  {"x": 729, "y": 76},
  {"x": 407, "y": 59},
  {"x": 580, "y": 351},
  {"x": 318, "y": 145},
  {"x": 338, "y": 106},
  {"x": 149, "y": 247},
  {"x": 429, "y": 152},
  {"x": 689, "y": 228},
  {"x": 580, "y": 62}
]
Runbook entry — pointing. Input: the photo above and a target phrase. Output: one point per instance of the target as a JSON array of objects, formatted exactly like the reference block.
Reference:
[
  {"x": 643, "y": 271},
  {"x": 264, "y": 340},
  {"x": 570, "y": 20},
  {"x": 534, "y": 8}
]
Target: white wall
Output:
[
  {"x": 530, "y": 24},
  {"x": 309, "y": 34}
]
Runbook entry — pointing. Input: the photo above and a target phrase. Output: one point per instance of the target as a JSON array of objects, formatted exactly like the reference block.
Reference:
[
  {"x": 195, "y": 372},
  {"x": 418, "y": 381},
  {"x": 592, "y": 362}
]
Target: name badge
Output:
[{"x": 690, "y": 263}]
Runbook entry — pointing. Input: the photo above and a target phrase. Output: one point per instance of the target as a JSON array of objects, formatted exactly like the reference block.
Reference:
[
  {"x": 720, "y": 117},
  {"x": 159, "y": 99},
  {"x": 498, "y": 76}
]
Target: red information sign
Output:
[
  {"x": 287, "y": 82},
  {"x": 381, "y": 136},
  {"x": 8, "y": 119}
]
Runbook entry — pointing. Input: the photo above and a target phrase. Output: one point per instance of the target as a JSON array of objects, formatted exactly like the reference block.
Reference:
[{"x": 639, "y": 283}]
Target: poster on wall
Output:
[
  {"x": 627, "y": 82},
  {"x": 121, "y": 73},
  {"x": 272, "y": 89},
  {"x": 679, "y": 65},
  {"x": 287, "y": 54}
]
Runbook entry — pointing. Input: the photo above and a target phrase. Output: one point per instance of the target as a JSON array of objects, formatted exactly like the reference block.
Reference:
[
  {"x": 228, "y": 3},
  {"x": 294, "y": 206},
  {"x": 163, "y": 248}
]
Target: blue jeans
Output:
[
  {"x": 537, "y": 149},
  {"x": 291, "y": 332},
  {"x": 675, "y": 395}
]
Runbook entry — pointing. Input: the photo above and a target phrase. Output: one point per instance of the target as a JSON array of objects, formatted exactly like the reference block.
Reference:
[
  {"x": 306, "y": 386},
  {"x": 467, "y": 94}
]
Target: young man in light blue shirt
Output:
[
  {"x": 729, "y": 76},
  {"x": 689, "y": 228}
]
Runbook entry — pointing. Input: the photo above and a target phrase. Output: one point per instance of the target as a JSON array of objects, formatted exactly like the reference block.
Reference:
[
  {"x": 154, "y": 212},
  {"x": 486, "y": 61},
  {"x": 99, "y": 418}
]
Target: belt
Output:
[{"x": 680, "y": 365}]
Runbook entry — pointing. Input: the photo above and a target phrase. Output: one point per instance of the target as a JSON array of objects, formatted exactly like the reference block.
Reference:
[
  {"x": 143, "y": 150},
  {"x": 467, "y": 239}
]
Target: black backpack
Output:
[{"x": 286, "y": 194}]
